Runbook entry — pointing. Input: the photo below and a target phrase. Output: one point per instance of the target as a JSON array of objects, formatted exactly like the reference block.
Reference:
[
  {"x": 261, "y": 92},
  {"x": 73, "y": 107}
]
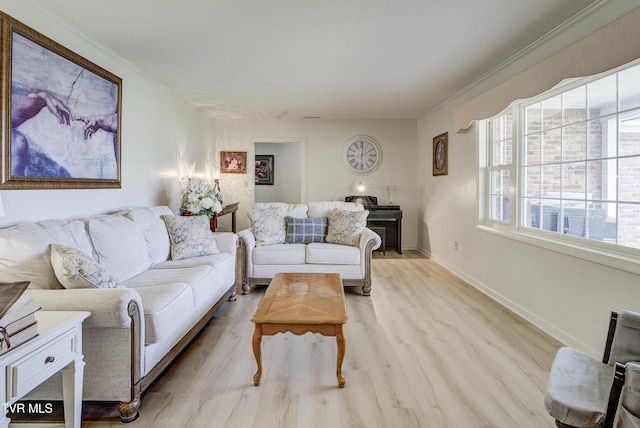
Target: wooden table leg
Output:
[
  {"x": 342, "y": 347},
  {"x": 256, "y": 342}
]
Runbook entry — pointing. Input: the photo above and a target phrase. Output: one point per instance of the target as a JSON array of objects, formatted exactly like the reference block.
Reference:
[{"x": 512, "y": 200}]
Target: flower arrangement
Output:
[{"x": 199, "y": 197}]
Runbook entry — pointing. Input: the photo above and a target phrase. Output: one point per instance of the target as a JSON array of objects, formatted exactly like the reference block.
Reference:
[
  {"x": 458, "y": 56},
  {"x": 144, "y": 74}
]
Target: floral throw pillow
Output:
[
  {"x": 76, "y": 269},
  {"x": 190, "y": 236},
  {"x": 345, "y": 227},
  {"x": 268, "y": 226},
  {"x": 305, "y": 230}
]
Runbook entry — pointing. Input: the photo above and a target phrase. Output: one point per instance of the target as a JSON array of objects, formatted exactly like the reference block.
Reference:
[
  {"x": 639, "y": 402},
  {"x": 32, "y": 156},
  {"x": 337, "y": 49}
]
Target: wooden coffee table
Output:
[{"x": 300, "y": 303}]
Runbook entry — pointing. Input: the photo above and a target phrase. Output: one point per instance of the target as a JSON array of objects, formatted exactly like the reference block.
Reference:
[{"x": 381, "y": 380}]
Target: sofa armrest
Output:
[
  {"x": 227, "y": 242},
  {"x": 109, "y": 307}
]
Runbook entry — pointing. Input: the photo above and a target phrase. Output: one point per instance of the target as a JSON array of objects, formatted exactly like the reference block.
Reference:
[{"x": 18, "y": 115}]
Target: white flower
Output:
[
  {"x": 200, "y": 198},
  {"x": 206, "y": 202}
]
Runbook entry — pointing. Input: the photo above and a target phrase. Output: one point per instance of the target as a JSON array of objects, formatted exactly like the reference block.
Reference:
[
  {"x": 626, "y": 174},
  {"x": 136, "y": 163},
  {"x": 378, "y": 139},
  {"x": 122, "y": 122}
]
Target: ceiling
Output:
[{"x": 332, "y": 59}]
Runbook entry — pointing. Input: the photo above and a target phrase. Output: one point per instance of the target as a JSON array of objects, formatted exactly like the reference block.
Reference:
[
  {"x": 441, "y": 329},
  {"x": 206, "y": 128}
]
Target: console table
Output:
[
  {"x": 388, "y": 217},
  {"x": 228, "y": 209},
  {"x": 58, "y": 347},
  {"x": 213, "y": 221}
]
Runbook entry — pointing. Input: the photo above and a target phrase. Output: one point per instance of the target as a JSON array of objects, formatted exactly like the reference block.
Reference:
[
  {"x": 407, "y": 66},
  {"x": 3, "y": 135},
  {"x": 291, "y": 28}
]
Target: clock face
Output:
[{"x": 362, "y": 155}]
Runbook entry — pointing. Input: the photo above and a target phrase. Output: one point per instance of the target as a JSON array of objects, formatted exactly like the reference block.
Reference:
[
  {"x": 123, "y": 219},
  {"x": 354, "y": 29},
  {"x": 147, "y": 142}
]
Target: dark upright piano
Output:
[{"x": 389, "y": 217}]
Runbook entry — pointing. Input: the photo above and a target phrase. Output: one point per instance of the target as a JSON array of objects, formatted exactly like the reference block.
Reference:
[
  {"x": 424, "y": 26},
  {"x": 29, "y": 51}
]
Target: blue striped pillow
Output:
[{"x": 306, "y": 230}]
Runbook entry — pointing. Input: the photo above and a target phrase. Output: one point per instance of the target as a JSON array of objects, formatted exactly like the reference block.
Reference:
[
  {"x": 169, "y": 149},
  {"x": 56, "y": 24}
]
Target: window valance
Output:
[{"x": 611, "y": 46}]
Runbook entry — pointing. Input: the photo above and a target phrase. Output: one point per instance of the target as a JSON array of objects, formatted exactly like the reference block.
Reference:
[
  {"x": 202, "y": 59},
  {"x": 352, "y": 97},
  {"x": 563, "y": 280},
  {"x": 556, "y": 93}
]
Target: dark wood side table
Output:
[{"x": 228, "y": 209}]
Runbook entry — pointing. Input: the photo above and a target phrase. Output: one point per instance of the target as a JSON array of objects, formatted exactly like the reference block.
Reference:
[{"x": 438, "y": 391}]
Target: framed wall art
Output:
[
  {"x": 233, "y": 162},
  {"x": 60, "y": 115},
  {"x": 441, "y": 154},
  {"x": 264, "y": 169}
]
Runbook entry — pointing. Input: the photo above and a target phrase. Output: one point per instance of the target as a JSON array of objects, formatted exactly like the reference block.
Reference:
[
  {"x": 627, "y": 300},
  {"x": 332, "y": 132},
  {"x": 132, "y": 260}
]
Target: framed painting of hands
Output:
[{"x": 60, "y": 115}]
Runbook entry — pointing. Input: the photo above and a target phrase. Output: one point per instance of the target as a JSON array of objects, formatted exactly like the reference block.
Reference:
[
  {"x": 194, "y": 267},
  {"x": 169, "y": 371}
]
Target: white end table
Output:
[{"x": 58, "y": 347}]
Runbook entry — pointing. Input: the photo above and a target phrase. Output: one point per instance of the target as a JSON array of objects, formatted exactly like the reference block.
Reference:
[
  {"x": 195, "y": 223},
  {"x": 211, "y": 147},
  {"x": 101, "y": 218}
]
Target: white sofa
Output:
[
  {"x": 138, "y": 328},
  {"x": 353, "y": 262}
]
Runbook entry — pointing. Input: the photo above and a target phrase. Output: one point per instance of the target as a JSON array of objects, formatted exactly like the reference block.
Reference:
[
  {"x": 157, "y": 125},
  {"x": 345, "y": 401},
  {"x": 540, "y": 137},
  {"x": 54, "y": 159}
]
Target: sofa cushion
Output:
[
  {"x": 325, "y": 208},
  {"x": 120, "y": 245},
  {"x": 281, "y": 254},
  {"x": 345, "y": 227},
  {"x": 332, "y": 254},
  {"x": 211, "y": 260},
  {"x": 154, "y": 230},
  {"x": 190, "y": 236},
  {"x": 75, "y": 269},
  {"x": 163, "y": 304},
  {"x": 25, "y": 250},
  {"x": 192, "y": 276},
  {"x": 305, "y": 230},
  {"x": 268, "y": 226}
]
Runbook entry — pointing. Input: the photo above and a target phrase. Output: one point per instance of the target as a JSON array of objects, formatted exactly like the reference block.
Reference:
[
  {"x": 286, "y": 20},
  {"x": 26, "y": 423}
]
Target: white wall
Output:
[
  {"x": 160, "y": 136},
  {"x": 325, "y": 176},
  {"x": 568, "y": 297},
  {"x": 287, "y": 173}
]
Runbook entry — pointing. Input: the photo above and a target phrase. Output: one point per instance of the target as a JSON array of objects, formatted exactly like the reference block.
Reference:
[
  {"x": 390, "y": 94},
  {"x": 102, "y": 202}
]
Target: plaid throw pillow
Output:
[{"x": 305, "y": 230}]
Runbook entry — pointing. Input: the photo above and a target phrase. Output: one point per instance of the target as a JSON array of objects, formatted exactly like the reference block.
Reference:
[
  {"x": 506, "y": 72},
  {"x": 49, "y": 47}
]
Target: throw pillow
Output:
[
  {"x": 268, "y": 226},
  {"x": 190, "y": 236},
  {"x": 76, "y": 269},
  {"x": 120, "y": 245},
  {"x": 345, "y": 227},
  {"x": 305, "y": 230}
]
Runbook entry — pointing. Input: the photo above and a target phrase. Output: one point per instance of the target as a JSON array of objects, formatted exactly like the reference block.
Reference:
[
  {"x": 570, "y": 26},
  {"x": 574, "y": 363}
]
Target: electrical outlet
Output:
[{"x": 455, "y": 245}]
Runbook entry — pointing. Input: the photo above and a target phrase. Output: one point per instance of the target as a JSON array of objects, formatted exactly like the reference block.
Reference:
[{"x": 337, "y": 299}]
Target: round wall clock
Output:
[
  {"x": 362, "y": 155},
  {"x": 440, "y": 154}
]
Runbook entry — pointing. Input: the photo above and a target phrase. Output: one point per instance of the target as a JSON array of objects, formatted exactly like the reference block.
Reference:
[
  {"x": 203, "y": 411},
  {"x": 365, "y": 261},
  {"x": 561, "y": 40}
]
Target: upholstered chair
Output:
[{"x": 584, "y": 392}]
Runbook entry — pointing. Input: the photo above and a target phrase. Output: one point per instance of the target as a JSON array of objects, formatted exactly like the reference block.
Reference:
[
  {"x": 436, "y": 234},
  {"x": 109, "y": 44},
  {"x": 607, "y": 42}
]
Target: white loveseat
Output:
[
  {"x": 261, "y": 262},
  {"x": 138, "y": 328}
]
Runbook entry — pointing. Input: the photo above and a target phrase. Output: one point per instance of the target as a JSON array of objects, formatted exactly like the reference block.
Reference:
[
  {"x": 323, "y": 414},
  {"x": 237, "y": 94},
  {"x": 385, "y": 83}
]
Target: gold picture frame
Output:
[
  {"x": 233, "y": 162},
  {"x": 60, "y": 117},
  {"x": 441, "y": 154}
]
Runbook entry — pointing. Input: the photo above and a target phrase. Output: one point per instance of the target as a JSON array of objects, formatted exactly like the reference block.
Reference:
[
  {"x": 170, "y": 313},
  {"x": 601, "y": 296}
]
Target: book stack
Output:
[{"x": 18, "y": 321}]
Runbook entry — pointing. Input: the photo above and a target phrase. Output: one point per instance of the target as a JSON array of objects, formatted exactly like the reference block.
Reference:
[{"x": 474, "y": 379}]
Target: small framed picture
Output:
[
  {"x": 233, "y": 162},
  {"x": 264, "y": 169},
  {"x": 441, "y": 154}
]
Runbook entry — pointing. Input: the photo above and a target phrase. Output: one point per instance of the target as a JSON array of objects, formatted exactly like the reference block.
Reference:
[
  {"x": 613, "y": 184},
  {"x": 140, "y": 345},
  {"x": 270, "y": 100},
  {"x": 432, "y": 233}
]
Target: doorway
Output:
[{"x": 288, "y": 170}]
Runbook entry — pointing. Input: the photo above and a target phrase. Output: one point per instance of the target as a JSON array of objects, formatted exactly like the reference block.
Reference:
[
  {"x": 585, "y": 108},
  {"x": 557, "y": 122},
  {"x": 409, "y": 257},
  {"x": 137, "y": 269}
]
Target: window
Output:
[
  {"x": 499, "y": 166},
  {"x": 570, "y": 160}
]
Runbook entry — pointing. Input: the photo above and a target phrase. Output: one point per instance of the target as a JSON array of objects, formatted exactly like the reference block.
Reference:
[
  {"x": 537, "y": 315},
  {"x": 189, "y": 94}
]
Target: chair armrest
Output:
[
  {"x": 248, "y": 244},
  {"x": 627, "y": 412},
  {"x": 109, "y": 307},
  {"x": 249, "y": 240},
  {"x": 368, "y": 235},
  {"x": 614, "y": 395}
]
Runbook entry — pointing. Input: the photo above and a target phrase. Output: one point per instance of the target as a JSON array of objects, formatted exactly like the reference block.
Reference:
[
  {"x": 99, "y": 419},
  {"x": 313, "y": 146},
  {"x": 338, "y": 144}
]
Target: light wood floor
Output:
[{"x": 425, "y": 350}]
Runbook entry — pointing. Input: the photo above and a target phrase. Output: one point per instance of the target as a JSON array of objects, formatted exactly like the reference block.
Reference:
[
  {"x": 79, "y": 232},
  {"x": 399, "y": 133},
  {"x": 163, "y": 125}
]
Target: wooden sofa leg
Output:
[
  {"x": 129, "y": 411},
  {"x": 246, "y": 288},
  {"x": 366, "y": 288}
]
